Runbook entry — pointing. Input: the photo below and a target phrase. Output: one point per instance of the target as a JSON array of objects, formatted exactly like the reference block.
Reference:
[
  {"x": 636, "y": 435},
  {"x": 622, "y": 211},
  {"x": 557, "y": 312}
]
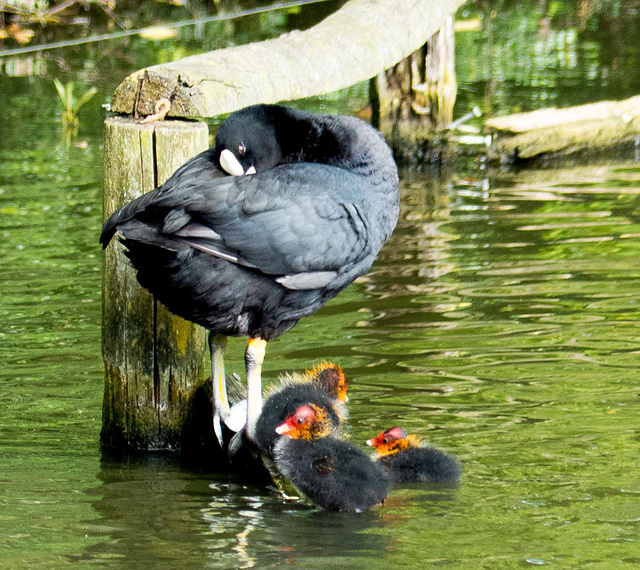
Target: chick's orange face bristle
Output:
[
  {"x": 392, "y": 441},
  {"x": 331, "y": 378},
  {"x": 307, "y": 422}
]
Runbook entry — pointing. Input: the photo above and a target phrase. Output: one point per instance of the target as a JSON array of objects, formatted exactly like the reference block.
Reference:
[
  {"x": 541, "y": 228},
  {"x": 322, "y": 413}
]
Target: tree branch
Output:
[{"x": 357, "y": 42}]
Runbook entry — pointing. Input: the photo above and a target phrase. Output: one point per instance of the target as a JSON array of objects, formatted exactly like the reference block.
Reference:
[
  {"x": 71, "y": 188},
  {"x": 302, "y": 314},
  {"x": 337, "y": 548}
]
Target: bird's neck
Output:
[
  {"x": 306, "y": 138},
  {"x": 337, "y": 140},
  {"x": 352, "y": 144}
]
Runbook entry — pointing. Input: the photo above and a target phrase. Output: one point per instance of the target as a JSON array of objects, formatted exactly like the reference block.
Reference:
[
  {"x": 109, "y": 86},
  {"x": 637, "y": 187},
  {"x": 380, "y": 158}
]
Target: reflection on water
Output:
[
  {"x": 191, "y": 518},
  {"x": 501, "y": 323}
]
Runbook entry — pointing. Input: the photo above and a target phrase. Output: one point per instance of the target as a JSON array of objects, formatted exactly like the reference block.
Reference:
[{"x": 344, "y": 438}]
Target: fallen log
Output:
[
  {"x": 357, "y": 42},
  {"x": 556, "y": 132}
]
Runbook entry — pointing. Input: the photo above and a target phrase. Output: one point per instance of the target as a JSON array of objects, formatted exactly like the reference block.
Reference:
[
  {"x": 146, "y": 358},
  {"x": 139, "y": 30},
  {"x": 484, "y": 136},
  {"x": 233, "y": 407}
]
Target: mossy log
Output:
[
  {"x": 354, "y": 44},
  {"x": 154, "y": 361},
  {"x": 556, "y": 132}
]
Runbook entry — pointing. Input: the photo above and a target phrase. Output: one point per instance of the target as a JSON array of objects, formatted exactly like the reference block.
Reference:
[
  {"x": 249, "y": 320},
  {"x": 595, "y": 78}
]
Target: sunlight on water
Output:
[
  {"x": 515, "y": 346},
  {"x": 501, "y": 322}
]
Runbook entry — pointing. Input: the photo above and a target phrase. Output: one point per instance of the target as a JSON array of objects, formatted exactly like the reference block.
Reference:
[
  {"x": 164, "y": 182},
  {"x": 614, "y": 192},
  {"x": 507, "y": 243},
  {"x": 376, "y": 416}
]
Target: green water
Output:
[{"x": 501, "y": 322}]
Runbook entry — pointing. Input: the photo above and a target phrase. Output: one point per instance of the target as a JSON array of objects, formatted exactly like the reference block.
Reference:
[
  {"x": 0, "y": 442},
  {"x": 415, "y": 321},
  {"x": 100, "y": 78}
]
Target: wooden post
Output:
[
  {"x": 414, "y": 99},
  {"x": 440, "y": 85},
  {"x": 154, "y": 361}
]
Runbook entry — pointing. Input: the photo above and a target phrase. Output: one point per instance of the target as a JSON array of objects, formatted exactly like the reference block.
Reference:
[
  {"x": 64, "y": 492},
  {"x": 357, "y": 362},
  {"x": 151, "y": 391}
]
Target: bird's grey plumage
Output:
[
  {"x": 252, "y": 254},
  {"x": 307, "y": 227}
]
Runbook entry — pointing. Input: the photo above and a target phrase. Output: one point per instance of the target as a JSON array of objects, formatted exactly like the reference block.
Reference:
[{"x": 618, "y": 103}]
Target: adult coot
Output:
[
  {"x": 325, "y": 387},
  {"x": 251, "y": 255},
  {"x": 334, "y": 474},
  {"x": 407, "y": 461}
]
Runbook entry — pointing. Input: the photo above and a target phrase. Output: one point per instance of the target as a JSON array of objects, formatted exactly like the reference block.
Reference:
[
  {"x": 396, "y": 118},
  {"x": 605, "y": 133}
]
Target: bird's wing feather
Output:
[
  {"x": 299, "y": 219},
  {"x": 301, "y": 222},
  {"x": 199, "y": 170}
]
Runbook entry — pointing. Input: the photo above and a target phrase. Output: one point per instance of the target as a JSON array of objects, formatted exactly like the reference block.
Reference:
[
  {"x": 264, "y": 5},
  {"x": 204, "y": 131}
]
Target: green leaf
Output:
[{"x": 62, "y": 92}]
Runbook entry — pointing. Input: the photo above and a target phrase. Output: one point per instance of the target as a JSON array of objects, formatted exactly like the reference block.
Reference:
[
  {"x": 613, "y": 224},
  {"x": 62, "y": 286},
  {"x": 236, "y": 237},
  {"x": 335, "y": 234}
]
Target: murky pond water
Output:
[{"x": 501, "y": 322}]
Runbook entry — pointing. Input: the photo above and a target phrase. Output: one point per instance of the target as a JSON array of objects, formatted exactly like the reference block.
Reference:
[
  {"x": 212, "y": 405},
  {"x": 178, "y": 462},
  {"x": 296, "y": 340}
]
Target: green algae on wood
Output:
[{"x": 154, "y": 360}]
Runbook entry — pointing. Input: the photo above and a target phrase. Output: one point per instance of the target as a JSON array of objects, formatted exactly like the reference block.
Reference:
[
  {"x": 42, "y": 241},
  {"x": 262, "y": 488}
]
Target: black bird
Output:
[
  {"x": 333, "y": 473},
  {"x": 251, "y": 255},
  {"x": 325, "y": 386},
  {"x": 408, "y": 461}
]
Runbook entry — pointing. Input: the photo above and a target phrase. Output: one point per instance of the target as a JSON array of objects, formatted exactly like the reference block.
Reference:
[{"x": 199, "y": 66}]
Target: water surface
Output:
[{"x": 501, "y": 323}]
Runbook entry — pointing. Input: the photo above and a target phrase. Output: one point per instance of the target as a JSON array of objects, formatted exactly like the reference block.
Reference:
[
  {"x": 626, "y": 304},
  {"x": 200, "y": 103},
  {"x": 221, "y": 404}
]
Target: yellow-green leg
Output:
[
  {"x": 217, "y": 346},
  {"x": 253, "y": 358}
]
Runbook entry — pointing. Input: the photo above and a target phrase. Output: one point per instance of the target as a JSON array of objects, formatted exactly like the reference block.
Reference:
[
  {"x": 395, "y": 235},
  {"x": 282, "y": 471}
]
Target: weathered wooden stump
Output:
[
  {"x": 154, "y": 361},
  {"x": 414, "y": 99}
]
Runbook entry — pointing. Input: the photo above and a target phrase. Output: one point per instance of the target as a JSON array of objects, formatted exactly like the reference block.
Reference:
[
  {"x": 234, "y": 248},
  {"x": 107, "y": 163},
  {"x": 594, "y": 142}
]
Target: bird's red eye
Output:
[
  {"x": 385, "y": 440},
  {"x": 242, "y": 149}
]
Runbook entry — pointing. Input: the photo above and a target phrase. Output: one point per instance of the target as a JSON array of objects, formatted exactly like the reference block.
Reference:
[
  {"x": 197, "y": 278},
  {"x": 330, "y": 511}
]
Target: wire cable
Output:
[{"x": 116, "y": 35}]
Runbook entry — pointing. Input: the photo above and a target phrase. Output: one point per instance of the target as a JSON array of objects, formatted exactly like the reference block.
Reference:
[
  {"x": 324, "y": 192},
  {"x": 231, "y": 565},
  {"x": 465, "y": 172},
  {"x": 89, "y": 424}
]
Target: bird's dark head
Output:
[
  {"x": 393, "y": 440},
  {"x": 248, "y": 142},
  {"x": 330, "y": 377},
  {"x": 307, "y": 422}
]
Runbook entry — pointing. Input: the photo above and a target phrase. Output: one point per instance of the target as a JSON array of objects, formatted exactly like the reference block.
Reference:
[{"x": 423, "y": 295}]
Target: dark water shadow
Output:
[{"x": 153, "y": 508}]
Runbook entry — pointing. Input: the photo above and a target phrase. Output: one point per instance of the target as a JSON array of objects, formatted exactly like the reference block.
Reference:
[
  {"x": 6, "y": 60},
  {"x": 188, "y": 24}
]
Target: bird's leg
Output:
[
  {"x": 217, "y": 345},
  {"x": 253, "y": 357}
]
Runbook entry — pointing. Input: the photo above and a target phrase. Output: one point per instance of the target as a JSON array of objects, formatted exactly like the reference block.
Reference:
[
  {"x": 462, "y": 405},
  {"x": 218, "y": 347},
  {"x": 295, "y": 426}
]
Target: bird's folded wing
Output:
[
  {"x": 197, "y": 172},
  {"x": 302, "y": 223}
]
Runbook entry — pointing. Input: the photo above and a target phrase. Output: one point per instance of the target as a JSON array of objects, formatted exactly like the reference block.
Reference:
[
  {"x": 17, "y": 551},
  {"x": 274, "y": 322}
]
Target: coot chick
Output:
[
  {"x": 325, "y": 387},
  {"x": 334, "y": 474},
  {"x": 328, "y": 376},
  {"x": 251, "y": 255},
  {"x": 407, "y": 461}
]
